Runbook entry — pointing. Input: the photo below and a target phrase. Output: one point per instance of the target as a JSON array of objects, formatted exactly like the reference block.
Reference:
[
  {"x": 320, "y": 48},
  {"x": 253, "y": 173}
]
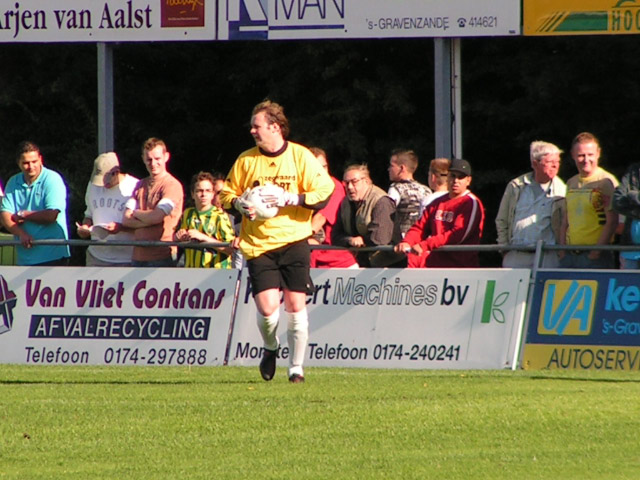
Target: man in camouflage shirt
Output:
[{"x": 407, "y": 193}]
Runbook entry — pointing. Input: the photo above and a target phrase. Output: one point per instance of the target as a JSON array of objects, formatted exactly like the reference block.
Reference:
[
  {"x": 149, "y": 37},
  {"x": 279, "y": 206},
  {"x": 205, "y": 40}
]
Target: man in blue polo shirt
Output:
[{"x": 34, "y": 208}]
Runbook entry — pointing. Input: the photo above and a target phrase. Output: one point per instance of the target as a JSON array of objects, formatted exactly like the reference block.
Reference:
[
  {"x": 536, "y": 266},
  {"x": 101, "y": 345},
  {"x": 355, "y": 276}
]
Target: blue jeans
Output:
[
  {"x": 629, "y": 263},
  {"x": 582, "y": 260}
]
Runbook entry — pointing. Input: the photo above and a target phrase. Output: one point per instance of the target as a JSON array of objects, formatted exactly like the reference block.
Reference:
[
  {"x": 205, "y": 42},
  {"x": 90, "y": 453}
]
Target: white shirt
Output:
[{"x": 106, "y": 205}]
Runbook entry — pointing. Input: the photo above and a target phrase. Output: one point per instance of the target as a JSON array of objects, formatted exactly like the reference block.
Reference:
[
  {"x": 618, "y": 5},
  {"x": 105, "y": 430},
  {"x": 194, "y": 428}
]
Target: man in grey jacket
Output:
[{"x": 531, "y": 208}]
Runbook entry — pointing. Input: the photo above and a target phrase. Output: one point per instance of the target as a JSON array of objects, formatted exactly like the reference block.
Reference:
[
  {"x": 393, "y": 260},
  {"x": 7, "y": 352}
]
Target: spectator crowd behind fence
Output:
[{"x": 143, "y": 222}]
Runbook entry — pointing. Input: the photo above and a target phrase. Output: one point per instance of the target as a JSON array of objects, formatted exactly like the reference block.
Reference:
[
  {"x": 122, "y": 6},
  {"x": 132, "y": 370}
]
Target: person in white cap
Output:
[{"x": 106, "y": 197}]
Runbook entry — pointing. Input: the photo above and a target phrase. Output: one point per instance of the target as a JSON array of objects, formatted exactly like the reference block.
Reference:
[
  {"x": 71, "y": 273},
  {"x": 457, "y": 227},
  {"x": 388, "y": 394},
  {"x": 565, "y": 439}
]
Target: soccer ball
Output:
[{"x": 264, "y": 200}]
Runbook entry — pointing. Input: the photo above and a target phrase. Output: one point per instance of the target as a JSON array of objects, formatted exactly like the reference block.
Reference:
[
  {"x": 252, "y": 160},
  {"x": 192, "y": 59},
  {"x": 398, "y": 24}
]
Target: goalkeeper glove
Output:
[
  {"x": 288, "y": 199},
  {"x": 276, "y": 195},
  {"x": 244, "y": 206}
]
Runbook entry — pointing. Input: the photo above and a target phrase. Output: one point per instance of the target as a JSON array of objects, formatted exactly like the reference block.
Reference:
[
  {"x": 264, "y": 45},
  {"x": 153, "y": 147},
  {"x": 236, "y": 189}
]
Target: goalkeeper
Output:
[{"x": 276, "y": 249}]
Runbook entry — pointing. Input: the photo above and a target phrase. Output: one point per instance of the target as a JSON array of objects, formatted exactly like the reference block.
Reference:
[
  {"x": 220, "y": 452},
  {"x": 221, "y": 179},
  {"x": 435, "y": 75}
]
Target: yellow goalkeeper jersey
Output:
[{"x": 296, "y": 170}]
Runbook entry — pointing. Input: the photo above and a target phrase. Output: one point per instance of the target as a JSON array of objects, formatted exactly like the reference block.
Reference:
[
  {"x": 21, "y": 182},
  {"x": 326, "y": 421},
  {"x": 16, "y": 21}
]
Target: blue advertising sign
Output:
[{"x": 584, "y": 320}]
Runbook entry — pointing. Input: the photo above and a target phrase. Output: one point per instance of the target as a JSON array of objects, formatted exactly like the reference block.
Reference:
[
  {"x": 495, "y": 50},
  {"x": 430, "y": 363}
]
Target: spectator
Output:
[
  {"x": 453, "y": 219},
  {"x": 588, "y": 219},
  {"x": 406, "y": 192},
  {"x": 34, "y": 208},
  {"x": 218, "y": 184},
  {"x": 322, "y": 224},
  {"x": 626, "y": 201},
  {"x": 105, "y": 199},
  {"x": 154, "y": 210},
  {"x": 276, "y": 249},
  {"x": 532, "y": 208},
  {"x": 438, "y": 174},
  {"x": 205, "y": 223},
  {"x": 365, "y": 219}
]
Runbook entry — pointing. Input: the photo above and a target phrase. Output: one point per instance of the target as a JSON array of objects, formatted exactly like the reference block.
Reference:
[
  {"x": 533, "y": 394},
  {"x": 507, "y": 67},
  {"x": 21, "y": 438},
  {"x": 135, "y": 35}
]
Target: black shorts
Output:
[{"x": 285, "y": 267}]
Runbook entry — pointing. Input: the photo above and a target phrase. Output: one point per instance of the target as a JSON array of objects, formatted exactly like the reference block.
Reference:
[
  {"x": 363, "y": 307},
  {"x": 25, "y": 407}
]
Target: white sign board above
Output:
[
  {"x": 106, "y": 20},
  {"x": 336, "y": 19},
  {"x": 24, "y": 21}
]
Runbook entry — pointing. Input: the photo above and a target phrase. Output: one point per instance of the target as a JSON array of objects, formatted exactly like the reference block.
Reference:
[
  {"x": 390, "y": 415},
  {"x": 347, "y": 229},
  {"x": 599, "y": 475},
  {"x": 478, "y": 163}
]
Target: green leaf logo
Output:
[{"x": 491, "y": 306}]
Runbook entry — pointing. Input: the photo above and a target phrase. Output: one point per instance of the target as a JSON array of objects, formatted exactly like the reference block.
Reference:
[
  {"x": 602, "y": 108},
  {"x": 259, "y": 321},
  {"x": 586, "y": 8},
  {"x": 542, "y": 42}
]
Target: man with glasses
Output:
[
  {"x": 205, "y": 222},
  {"x": 453, "y": 219},
  {"x": 532, "y": 207},
  {"x": 322, "y": 224},
  {"x": 365, "y": 219}
]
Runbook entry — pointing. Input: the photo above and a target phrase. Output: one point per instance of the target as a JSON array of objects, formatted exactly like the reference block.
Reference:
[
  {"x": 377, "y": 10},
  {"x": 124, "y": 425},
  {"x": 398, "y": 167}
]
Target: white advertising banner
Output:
[
  {"x": 314, "y": 19},
  {"x": 394, "y": 318},
  {"x": 115, "y": 316},
  {"x": 106, "y": 20}
]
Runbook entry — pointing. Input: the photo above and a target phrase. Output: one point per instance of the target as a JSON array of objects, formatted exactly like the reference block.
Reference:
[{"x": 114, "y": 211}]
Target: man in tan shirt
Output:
[{"x": 155, "y": 208}]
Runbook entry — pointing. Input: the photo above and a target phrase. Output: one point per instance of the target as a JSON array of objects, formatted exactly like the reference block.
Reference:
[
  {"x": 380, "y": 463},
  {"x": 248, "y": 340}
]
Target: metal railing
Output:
[{"x": 538, "y": 249}]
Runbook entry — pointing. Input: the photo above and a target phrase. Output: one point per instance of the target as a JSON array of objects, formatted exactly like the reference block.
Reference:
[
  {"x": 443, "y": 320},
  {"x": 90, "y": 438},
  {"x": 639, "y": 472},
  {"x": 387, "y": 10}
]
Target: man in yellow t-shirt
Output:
[
  {"x": 276, "y": 249},
  {"x": 588, "y": 219}
]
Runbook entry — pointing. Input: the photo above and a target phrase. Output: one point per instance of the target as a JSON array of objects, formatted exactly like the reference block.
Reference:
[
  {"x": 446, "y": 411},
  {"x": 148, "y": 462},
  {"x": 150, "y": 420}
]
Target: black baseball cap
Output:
[{"x": 460, "y": 166}]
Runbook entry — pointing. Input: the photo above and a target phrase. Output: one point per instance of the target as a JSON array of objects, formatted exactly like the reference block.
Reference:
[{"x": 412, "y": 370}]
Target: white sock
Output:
[
  {"x": 297, "y": 336},
  {"x": 268, "y": 326}
]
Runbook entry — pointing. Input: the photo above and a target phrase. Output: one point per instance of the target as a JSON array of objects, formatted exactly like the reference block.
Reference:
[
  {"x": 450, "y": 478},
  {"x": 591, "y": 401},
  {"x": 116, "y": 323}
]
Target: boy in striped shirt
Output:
[{"x": 205, "y": 223}]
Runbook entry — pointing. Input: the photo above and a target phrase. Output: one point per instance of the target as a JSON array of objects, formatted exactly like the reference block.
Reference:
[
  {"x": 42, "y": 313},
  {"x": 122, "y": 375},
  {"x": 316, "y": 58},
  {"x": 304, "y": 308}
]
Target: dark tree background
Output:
[{"x": 356, "y": 99}]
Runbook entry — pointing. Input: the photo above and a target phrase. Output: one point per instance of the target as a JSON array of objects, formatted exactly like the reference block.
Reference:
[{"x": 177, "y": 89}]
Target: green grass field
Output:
[{"x": 217, "y": 423}]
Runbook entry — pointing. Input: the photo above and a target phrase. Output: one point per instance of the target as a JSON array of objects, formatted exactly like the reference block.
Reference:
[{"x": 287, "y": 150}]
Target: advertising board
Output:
[
  {"x": 580, "y": 17},
  {"x": 115, "y": 316},
  {"x": 315, "y": 19},
  {"x": 106, "y": 20},
  {"x": 393, "y": 318},
  {"x": 382, "y": 318},
  {"x": 584, "y": 320}
]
